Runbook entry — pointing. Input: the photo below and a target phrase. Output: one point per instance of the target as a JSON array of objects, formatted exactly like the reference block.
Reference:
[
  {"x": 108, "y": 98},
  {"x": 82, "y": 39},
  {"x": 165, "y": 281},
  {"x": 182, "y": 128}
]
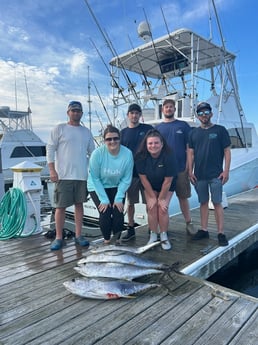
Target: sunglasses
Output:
[
  {"x": 112, "y": 139},
  {"x": 205, "y": 112}
]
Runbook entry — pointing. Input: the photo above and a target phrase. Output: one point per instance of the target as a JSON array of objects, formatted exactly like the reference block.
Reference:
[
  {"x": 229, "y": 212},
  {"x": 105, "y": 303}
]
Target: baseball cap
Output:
[
  {"x": 135, "y": 107},
  {"x": 75, "y": 105},
  {"x": 203, "y": 105}
]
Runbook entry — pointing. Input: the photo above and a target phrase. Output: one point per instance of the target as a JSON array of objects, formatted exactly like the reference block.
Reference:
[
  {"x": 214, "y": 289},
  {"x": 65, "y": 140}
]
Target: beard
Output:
[{"x": 168, "y": 116}]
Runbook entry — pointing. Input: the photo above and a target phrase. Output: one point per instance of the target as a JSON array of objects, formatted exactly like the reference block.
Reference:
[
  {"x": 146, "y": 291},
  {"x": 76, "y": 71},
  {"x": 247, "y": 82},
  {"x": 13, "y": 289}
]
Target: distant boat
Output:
[
  {"x": 18, "y": 143},
  {"x": 188, "y": 68}
]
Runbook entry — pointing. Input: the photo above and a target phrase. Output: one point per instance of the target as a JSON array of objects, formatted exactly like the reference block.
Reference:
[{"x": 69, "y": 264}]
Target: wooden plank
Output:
[
  {"x": 102, "y": 325},
  {"x": 227, "y": 326},
  {"x": 37, "y": 309},
  {"x": 248, "y": 334}
]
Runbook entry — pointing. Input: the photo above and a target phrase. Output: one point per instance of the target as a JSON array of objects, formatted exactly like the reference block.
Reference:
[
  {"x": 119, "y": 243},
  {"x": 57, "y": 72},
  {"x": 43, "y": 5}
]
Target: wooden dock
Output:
[{"x": 37, "y": 309}]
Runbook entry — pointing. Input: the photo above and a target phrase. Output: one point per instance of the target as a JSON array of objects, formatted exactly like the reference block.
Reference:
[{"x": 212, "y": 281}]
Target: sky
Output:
[{"x": 48, "y": 53}]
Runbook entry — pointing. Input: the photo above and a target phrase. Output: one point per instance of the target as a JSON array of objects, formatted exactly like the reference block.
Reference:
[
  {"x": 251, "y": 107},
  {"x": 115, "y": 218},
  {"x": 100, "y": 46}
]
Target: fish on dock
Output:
[
  {"x": 114, "y": 270},
  {"x": 112, "y": 247},
  {"x": 106, "y": 289},
  {"x": 122, "y": 258}
]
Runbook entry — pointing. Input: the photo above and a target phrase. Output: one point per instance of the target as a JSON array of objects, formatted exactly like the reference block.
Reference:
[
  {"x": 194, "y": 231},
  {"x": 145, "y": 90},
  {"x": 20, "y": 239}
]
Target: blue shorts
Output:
[{"x": 207, "y": 188}]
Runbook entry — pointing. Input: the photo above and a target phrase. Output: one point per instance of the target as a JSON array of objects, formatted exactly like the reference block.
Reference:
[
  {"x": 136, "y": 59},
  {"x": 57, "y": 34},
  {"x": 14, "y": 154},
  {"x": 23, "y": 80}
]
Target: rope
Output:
[{"x": 13, "y": 213}]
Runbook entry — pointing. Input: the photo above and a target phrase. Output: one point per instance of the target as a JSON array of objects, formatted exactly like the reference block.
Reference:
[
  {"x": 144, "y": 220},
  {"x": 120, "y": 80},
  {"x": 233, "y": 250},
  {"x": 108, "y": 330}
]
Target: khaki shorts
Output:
[
  {"x": 70, "y": 192},
  {"x": 183, "y": 186},
  {"x": 133, "y": 192}
]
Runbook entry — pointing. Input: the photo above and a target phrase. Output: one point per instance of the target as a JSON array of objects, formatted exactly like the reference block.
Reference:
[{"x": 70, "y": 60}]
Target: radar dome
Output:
[{"x": 144, "y": 31}]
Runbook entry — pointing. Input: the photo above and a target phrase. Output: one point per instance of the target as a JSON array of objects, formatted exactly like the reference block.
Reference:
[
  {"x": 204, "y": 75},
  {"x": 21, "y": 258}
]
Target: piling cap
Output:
[{"x": 26, "y": 166}]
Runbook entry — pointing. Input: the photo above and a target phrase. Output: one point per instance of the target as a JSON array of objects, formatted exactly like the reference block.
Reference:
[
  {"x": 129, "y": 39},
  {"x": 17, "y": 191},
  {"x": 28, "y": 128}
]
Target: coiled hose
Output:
[{"x": 13, "y": 214}]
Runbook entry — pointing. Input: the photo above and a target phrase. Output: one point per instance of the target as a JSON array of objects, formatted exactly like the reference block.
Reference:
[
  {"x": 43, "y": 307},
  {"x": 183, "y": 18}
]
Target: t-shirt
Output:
[
  {"x": 156, "y": 169},
  {"x": 208, "y": 145},
  {"x": 132, "y": 138},
  {"x": 176, "y": 134}
]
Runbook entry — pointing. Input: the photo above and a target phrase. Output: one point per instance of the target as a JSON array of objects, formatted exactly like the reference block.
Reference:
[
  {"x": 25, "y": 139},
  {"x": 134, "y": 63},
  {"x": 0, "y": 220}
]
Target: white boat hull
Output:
[{"x": 242, "y": 178}]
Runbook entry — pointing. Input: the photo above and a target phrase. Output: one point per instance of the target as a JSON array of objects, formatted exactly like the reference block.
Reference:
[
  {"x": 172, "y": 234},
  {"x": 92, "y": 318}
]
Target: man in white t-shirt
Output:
[{"x": 68, "y": 150}]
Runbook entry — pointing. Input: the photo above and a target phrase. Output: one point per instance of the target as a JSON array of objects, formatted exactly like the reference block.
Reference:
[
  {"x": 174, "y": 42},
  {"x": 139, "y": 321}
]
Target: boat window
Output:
[
  {"x": 240, "y": 137},
  {"x": 28, "y": 151}
]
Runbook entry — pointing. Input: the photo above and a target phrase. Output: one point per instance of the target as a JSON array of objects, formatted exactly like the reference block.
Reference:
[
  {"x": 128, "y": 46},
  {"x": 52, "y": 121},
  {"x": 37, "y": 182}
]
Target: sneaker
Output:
[
  {"x": 57, "y": 244},
  {"x": 222, "y": 240},
  {"x": 130, "y": 234},
  {"x": 153, "y": 237},
  {"x": 200, "y": 234},
  {"x": 189, "y": 228},
  {"x": 81, "y": 241},
  {"x": 165, "y": 244},
  {"x": 116, "y": 237},
  {"x": 158, "y": 235}
]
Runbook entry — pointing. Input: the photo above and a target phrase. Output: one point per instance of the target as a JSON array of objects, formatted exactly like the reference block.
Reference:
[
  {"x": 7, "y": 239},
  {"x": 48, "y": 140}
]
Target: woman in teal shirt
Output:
[{"x": 110, "y": 175}]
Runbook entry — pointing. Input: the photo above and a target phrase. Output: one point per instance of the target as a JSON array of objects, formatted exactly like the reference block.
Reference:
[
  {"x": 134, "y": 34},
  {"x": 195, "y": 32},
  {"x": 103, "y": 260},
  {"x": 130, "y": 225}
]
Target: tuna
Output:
[
  {"x": 114, "y": 270},
  {"x": 122, "y": 258},
  {"x": 105, "y": 289},
  {"x": 134, "y": 250}
]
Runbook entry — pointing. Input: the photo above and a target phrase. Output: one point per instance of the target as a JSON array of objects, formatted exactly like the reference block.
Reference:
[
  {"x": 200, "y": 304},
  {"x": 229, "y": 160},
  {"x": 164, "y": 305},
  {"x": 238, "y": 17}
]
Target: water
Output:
[{"x": 241, "y": 274}]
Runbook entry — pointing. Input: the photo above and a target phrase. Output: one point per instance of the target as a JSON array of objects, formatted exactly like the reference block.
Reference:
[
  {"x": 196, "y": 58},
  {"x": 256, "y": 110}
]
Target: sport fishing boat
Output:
[
  {"x": 19, "y": 143},
  {"x": 188, "y": 68}
]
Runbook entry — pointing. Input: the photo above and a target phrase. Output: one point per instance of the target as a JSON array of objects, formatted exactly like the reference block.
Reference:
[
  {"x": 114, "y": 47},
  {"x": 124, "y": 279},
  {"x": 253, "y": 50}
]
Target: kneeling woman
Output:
[
  {"x": 156, "y": 166},
  {"x": 110, "y": 175}
]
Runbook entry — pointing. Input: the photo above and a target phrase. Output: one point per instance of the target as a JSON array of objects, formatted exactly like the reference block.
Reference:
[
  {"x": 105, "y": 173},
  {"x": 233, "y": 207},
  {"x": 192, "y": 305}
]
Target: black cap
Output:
[
  {"x": 133, "y": 107},
  {"x": 203, "y": 105}
]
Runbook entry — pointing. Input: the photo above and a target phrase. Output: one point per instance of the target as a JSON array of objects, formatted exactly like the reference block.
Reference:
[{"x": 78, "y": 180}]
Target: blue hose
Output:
[{"x": 13, "y": 213}]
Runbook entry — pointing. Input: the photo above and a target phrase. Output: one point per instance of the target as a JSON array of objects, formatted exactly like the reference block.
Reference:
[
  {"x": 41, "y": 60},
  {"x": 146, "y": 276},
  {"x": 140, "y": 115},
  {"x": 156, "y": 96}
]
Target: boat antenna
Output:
[
  {"x": 156, "y": 53},
  {"x": 15, "y": 88},
  {"x": 89, "y": 99},
  {"x": 28, "y": 118}
]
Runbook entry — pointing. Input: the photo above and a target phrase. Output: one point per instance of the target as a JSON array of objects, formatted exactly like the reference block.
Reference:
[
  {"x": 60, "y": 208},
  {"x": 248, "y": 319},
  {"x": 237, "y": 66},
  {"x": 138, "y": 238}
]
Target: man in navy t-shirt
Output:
[
  {"x": 176, "y": 134},
  {"x": 131, "y": 137}
]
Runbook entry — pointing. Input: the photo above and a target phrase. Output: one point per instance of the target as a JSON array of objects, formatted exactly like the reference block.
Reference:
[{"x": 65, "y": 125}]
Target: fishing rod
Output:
[
  {"x": 156, "y": 53},
  {"x": 116, "y": 85},
  {"x": 176, "y": 49},
  {"x": 146, "y": 81},
  {"x": 170, "y": 38},
  {"x": 113, "y": 52},
  {"x": 103, "y": 105},
  {"x": 125, "y": 74},
  {"x": 89, "y": 99},
  {"x": 231, "y": 78}
]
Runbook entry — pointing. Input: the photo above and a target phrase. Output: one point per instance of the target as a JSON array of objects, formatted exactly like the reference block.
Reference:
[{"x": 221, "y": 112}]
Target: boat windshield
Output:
[{"x": 29, "y": 151}]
